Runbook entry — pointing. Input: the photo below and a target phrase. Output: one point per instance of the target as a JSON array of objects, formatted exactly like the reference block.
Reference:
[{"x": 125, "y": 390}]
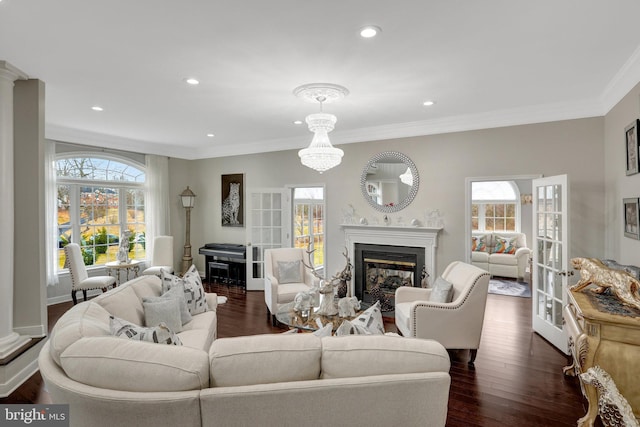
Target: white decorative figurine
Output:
[
  {"x": 327, "y": 306},
  {"x": 123, "y": 249},
  {"x": 347, "y": 306}
]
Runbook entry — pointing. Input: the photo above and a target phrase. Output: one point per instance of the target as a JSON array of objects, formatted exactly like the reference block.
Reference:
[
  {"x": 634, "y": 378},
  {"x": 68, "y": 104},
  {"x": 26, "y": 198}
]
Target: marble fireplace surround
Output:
[{"x": 424, "y": 237}]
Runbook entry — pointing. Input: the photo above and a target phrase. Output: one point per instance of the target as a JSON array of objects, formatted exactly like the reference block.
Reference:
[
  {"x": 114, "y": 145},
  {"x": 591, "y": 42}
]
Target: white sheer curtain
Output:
[
  {"x": 51, "y": 213},
  {"x": 156, "y": 199}
]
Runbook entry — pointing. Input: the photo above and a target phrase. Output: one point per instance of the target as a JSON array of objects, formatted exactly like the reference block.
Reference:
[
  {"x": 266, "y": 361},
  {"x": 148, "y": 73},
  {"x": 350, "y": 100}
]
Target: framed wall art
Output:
[
  {"x": 631, "y": 220},
  {"x": 631, "y": 141},
  {"x": 233, "y": 200}
]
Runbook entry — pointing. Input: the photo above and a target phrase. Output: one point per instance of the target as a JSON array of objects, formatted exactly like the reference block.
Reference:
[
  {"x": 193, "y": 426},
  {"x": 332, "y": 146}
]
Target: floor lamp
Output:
[{"x": 188, "y": 198}]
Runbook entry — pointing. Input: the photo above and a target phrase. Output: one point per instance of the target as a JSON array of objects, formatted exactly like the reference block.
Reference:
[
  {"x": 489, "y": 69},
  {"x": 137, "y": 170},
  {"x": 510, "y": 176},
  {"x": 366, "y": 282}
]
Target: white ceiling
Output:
[{"x": 485, "y": 63}]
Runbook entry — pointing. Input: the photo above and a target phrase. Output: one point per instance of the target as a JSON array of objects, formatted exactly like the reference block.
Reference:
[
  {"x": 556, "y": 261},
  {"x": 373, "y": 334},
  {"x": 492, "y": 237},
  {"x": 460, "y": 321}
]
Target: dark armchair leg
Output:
[
  {"x": 472, "y": 353},
  {"x": 274, "y": 322},
  {"x": 73, "y": 297},
  {"x": 84, "y": 294}
]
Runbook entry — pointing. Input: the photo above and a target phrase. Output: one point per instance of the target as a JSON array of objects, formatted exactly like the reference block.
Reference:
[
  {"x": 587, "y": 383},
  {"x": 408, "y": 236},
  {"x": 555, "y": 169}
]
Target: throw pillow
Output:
[
  {"x": 194, "y": 294},
  {"x": 289, "y": 272},
  {"x": 157, "y": 334},
  {"x": 479, "y": 243},
  {"x": 166, "y": 310},
  {"x": 348, "y": 328},
  {"x": 176, "y": 292},
  {"x": 371, "y": 320},
  {"x": 442, "y": 291},
  {"x": 325, "y": 331},
  {"x": 505, "y": 245}
]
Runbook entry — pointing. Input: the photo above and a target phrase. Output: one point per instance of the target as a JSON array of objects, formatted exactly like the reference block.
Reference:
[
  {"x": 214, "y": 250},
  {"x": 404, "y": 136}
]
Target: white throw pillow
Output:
[
  {"x": 163, "y": 311},
  {"x": 442, "y": 291},
  {"x": 289, "y": 272},
  {"x": 157, "y": 334},
  {"x": 176, "y": 292}
]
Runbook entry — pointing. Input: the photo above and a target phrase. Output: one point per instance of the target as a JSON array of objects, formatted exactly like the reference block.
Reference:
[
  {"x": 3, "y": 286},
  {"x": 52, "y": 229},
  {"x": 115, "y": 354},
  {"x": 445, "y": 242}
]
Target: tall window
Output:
[
  {"x": 494, "y": 206},
  {"x": 99, "y": 199},
  {"x": 308, "y": 221}
]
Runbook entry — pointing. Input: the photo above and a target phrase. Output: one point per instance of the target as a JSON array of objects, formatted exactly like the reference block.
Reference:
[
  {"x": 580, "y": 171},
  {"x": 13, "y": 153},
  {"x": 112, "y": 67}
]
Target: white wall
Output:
[
  {"x": 618, "y": 186},
  {"x": 573, "y": 147}
]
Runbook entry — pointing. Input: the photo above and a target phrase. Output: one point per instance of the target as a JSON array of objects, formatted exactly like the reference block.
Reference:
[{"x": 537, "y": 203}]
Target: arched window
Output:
[
  {"x": 494, "y": 206},
  {"x": 99, "y": 198}
]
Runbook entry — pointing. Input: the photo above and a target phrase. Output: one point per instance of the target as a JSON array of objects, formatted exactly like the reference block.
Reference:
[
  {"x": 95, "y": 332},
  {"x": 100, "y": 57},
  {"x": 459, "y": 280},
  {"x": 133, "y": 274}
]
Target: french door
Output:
[
  {"x": 550, "y": 258},
  {"x": 268, "y": 226}
]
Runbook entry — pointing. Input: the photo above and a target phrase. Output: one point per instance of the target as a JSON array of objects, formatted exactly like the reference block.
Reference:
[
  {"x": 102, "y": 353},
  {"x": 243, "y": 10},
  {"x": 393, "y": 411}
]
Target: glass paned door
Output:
[
  {"x": 268, "y": 226},
  {"x": 550, "y": 258}
]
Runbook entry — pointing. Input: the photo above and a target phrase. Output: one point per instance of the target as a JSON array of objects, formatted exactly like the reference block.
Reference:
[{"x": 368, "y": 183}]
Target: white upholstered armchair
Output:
[
  {"x": 162, "y": 256},
  {"x": 456, "y": 324},
  {"x": 80, "y": 280},
  {"x": 285, "y": 276}
]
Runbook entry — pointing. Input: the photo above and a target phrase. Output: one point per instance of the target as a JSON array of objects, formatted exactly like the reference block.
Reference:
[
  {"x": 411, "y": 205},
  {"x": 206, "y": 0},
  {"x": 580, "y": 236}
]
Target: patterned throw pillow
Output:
[
  {"x": 158, "y": 334},
  {"x": 505, "y": 245},
  {"x": 194, "y": 294},
  {"x": 479, "y": 243},
  {"x": 368, "y": 323},
  {"x": 289, "y": 272}
]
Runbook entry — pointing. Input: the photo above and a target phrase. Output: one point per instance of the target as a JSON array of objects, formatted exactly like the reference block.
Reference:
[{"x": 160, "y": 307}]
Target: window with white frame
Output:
[
  {"x": 494, "y": 206},
  {"x": 99, "y": 198},
  {"x": 308, "y": 221}
]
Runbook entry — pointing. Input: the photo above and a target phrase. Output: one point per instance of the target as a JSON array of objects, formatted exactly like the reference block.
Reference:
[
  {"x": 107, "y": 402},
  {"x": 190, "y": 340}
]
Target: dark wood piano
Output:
[{"x": 229, "y": 253}]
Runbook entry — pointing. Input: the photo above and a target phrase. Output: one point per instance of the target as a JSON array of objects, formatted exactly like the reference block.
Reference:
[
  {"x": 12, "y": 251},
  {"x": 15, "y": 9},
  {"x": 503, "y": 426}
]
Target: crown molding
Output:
[
  {"x": 461, "y": 123},
  {"x": 11, "y": 73},
  {"x": 621, "y": 84},
  {"x": 94, "y": 139}
]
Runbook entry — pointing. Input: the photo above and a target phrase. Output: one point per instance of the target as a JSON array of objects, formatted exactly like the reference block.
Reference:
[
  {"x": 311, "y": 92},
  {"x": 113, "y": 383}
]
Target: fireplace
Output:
[
  {"x": 391, "y": 252},
  {"x": 381, "y": 269}
]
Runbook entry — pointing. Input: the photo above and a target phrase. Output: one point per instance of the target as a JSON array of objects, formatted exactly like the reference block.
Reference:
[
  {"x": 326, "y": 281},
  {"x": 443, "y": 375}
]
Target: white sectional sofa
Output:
[
  {"x": 279, "y": 379},
  {"x": 501, "y": 264}
]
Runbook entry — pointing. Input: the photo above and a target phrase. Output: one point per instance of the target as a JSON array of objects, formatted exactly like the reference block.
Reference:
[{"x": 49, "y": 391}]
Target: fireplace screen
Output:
[
  {"x": 388, "y": 275},
  {"x": 381, "y": 269}
]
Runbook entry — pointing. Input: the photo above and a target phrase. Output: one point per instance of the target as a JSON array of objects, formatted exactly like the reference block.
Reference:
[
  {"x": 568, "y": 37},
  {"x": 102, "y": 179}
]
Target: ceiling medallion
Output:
[{"x": 321, "y": 155}]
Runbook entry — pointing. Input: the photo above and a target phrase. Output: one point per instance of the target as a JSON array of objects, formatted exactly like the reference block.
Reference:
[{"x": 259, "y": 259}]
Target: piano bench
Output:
[{"x": 220, "y": 266}]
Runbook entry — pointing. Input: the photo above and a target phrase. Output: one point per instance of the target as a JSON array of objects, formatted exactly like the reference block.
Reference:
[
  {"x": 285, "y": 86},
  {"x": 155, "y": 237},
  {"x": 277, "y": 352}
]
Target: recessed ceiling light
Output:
[
  {"x": 428, "y": 103},
  {"x": 192, "y": 81},
  {"x": 297, "y": 122},
  {"x": 210, "y": 135},
  {"x": 97, "y": 108},
  {"x": 369, "y": 31}
]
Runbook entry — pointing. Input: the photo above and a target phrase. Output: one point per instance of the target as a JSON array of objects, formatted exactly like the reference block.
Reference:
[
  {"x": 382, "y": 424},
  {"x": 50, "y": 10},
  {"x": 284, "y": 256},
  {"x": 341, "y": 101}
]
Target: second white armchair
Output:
[{"x": 285, "y": 276}]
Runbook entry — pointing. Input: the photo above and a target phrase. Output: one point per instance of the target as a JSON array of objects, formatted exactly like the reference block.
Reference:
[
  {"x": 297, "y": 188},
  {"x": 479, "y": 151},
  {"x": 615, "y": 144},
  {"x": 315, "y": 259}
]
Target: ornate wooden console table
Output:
[{"x": 612, "y": 341}]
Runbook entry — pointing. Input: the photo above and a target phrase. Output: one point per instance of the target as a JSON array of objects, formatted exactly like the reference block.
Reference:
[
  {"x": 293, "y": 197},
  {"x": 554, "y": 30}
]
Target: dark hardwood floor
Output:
[{"x": 517, "y": 379}]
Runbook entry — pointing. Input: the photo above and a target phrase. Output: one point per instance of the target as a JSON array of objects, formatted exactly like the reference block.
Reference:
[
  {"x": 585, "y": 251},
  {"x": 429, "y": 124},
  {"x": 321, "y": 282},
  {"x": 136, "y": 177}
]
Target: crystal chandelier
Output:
[{"x": 321, "y": 155}]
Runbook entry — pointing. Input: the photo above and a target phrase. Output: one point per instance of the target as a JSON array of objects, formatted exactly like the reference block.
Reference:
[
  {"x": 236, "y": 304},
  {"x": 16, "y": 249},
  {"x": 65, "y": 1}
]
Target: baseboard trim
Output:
[
  {"x": 14, "y": 374},
  {"x": 66, "y": 298}
]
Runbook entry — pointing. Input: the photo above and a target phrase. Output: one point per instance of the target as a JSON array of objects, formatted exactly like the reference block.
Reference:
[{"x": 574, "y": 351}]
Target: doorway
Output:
[{"x": 488, "y": 207}]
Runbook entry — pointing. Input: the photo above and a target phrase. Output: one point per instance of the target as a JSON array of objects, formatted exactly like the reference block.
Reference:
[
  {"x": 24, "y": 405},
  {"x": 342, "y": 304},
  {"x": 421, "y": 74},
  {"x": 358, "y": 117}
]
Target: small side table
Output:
[{"x": 116, "y": 268}]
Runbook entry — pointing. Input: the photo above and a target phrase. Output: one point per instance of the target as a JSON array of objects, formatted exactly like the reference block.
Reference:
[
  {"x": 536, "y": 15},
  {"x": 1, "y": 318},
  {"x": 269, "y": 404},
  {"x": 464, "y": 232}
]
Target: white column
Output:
[{"x": 9, "y": 340}]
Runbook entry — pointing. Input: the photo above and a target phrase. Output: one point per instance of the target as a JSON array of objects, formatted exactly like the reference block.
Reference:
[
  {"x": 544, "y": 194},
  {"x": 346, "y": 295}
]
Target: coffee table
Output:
[{"x": 288, "y": 316}]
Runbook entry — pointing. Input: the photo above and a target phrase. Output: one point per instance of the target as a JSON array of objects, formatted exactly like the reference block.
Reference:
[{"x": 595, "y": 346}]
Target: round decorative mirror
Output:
[{"x": 389, "y": 182}]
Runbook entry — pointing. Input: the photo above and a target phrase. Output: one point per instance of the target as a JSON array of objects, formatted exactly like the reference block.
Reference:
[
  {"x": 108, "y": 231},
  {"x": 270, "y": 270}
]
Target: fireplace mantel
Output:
[{"x": 394, "y": 235}]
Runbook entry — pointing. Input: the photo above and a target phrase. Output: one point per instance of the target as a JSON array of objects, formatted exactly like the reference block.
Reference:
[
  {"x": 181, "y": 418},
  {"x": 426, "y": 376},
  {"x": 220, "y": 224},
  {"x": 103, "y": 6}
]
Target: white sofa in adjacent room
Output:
[{"x": 502, "y": 264}]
